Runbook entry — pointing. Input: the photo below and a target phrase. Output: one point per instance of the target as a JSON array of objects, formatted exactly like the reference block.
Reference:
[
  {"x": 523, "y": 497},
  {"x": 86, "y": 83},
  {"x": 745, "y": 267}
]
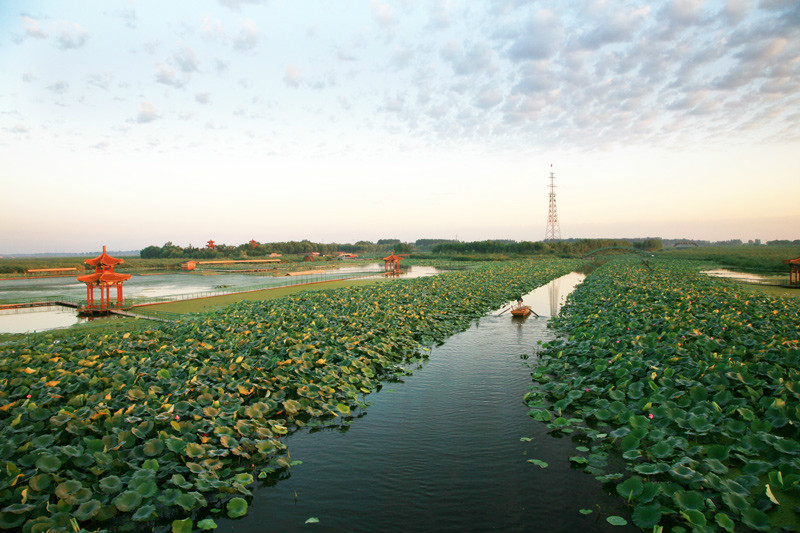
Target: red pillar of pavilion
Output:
[
  {"x": 103, "y": 278},
  {"x": 794, "y": 270}
]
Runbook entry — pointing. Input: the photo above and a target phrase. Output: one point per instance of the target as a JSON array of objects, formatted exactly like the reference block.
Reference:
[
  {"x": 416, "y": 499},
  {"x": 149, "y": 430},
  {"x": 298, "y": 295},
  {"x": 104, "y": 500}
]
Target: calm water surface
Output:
[{"x": 442, "y": 451}]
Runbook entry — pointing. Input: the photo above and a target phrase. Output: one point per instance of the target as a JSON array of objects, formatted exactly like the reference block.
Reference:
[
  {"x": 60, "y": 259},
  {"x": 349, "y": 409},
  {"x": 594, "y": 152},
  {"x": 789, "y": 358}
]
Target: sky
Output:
[{"x": 133, "y": 123}]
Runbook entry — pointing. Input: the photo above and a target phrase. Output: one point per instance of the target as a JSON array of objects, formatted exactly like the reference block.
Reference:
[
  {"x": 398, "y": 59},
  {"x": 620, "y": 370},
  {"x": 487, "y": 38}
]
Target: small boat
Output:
[{"x": 521, "y": 311}]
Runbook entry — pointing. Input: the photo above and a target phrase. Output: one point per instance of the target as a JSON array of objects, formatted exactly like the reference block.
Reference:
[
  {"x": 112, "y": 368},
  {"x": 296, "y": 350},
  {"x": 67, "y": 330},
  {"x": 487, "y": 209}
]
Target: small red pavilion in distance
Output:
[
  {"x": 392, "y": 263},
  {"x": 794, "y": 270},
  {"x": 104, "y": 277}
]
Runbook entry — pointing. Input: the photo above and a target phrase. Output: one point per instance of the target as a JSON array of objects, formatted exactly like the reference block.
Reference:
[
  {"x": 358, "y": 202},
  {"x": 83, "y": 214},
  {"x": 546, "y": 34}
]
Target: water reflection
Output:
[{"x": 29, "y": 320}]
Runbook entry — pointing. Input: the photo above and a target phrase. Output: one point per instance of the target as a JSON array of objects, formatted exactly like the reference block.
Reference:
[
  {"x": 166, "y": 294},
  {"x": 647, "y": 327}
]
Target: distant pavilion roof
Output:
[
  {"x": 104, "y": 260},
  {"x": 795, "y": 261},
  {"x": 392, "y": 257}
]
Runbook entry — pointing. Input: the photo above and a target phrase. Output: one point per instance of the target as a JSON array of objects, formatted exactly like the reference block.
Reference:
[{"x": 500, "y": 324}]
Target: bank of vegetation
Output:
[
  {"x": 694, "y": 382},
  {"x": 162, "y": 425},
  {"x": 765, "y": 259}
]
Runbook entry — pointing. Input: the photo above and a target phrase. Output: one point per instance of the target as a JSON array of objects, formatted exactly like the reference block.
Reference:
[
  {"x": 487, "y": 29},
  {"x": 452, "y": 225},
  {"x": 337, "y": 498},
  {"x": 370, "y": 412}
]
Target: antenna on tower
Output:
[{"x": 553, "y": 231}]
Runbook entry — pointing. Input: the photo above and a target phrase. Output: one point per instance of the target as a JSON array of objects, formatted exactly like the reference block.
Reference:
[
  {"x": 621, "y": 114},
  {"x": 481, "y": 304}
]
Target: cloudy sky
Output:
[{"x": 129, "y": 123}]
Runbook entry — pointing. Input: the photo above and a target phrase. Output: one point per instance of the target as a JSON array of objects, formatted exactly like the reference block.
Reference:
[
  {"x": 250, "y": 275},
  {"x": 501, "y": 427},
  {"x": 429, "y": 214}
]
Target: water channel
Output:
[{"x": 446, "y": 449}]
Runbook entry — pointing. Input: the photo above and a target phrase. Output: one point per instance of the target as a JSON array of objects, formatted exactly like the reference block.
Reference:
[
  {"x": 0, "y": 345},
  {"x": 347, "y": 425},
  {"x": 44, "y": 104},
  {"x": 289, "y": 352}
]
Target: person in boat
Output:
[{"x": 519, "y": 302}]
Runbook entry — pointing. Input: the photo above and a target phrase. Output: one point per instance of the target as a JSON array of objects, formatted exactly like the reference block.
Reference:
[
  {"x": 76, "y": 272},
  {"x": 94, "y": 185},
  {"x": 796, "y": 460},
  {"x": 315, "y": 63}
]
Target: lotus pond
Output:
[
  {"x": 694, "y": 382},
  {"x": 171, "y": 423}
]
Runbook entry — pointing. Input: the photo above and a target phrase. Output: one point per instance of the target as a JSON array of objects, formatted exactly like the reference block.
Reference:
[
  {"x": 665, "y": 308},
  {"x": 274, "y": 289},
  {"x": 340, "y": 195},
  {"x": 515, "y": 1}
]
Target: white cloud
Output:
[
  {"x": 71, "y": 35},
  {"x": 292, "y": 77},
  {"x": 237, "y": 4},
  {"x": 248, "y": 36},
  {"x": 384, "y": 14},
  {"x": 168, "y": 76},
  {"x": 147, "y": 113},
  {"x": 186, "y": 59},
  {"x": 202, "y": 98},
  {"x": 539, "y": 37},
  {"x": 59, "y": 87},
  {"x": 32, "y": 28}
]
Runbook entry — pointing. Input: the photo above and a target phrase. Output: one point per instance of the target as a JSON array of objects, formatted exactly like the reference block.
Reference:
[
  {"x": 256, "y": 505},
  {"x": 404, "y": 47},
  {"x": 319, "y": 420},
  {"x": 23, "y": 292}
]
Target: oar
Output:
[{"x": 504, "y": 310}]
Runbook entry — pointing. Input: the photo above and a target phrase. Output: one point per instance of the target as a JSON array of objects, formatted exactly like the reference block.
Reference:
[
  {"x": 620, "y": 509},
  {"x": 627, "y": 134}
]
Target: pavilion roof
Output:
[
  {"x": 795, "y": 261},
  {"x": 103, "y": 259},
  {"x": 392, "y": 257},
  {"x": 104, "y": 277}
]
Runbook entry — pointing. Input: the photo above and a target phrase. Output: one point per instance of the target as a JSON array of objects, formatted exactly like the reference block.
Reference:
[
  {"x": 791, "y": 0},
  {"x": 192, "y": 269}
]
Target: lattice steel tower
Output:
[{"x": 553, "y": 231}]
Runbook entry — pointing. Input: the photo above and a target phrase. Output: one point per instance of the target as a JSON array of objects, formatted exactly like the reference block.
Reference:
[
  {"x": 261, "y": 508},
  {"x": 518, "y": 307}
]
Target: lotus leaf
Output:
[
  {"x": 236, "y": 507},
  {"x": 647, "y": 516},
  {"x": 206, "y": 524},
  {"x": 144, "y": 513},
  {"x": 724, "y": 522},
  {"x": 182, "y": 526},
  {"x": 689, "y": 500},
  {"x": 111, "y": 484},
  {"x": 87, "y": 510},
  {"x": 616, "y": 521},
  {"x": 48, "y": 463},
  {"x": 630, "y": 488},
  {"x": 128, "y": 501},
  {"x": 694, "y": 517}
]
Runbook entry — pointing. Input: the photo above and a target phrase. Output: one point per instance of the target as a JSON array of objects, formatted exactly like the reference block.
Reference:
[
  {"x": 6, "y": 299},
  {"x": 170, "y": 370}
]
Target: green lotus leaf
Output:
[
  {"x": 647, "y": 516},
  {"x": 236, "y": 507},
  {"x": 661, "y": 450},
  {"x": 128, "y": 501},
  {"x": 11, "y": 520},
  {"x": 111, "y": 484},
  {"x": 539, "y": 463},
  {"x": 650, "y": 469},
  {"x": 194, "y": 450},
  {"x": 689, "y": 500},
  {"x": 180, "y": 481},
  {"x": 684, "y": 473},
  {"x": 187, "y": 501},
  {"x": 207, "y": 523},
  {"x": 617, "y": 521},
  {"x": 787, "y": 446},
  {"x": 756, "y": 519},
  {"x": 244, "y": 478},
  {"x": 87, "y": 510},
  {"x": 175, "y": 445},
  {"x": 68, "y": 488},
  {"x": 40, "y": 482},
  {"x": 144, "y": 513},
  {"x": 153, "y": 447},
  {"x": 48, "y": 463},
  {"x": 735, "y": 502},
  {"x": 182, "y": 526},
  {"x": 147, "y": 488},
  {"x": 694, "y": 517},
  {"x": 715, "y": 466},
  {"x": 630, "y": 488},
  {"x": 717, "y": 451},
  {"x": 343, "y": 408},
  {"x": 724, "y": 522},
  {"x": 312, "y": 520}
]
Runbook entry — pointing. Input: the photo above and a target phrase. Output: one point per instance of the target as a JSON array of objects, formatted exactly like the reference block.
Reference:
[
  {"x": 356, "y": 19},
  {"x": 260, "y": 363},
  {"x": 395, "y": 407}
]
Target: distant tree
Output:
[
  {"x": 388, "y": 242},
  {"x": 403, "y": 248}
]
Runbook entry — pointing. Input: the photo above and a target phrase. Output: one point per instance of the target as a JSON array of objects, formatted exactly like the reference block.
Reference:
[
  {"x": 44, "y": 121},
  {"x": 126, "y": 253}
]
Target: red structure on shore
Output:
[
  {"x": 104, "y": 277},
  {"x": 392, "y": 263},
  {"x": 794, "y": 270}
]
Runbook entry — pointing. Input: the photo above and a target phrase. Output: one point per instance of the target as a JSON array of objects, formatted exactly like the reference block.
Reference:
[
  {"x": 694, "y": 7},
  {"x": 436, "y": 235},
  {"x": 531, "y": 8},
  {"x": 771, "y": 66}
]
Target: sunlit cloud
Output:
[
  {"x": 248, "y": 36},
  {"x": 32, "y": 28},
  {"x": 71, "y": 35},
  {"x": 147, "y": 113},
  {"x": 292, "y": 77}
]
